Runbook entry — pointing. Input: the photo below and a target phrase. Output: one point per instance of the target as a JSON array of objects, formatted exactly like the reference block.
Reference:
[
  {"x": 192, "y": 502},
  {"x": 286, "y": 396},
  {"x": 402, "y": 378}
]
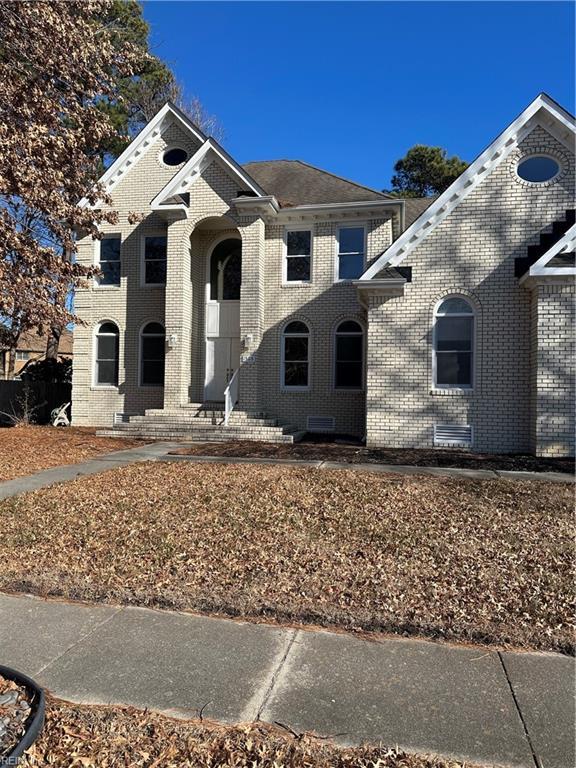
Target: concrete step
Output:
[
  {"x": 205, "y": 437},
  {"x": 201, "y": 422},
  {"x": 203, "y": 427}
]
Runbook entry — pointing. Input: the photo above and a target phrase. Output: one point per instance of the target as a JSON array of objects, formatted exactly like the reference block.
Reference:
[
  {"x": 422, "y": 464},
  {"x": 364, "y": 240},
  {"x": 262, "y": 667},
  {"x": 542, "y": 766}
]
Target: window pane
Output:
[
  {"x": 296, "y": 375},
  {"x": 454, "y": 369},
  {"x": 153, "y": 372},
  {"x": 538, "y": 169},
  {"x": 232, "y": 277},
  {"x": 298, "y": 268},
  {"x": 350, "y": 267},
  {"x": 107, "y": 347},
  {"x": 296, "y": 327},
  {"x": 298, "y": 243},
  {"x": 154, "y": 328},
  {"x": 108, "y": 328},
  {"x": 349, "y": 326},
  {"x": 106, "y": 372},
  {"x": 110, "y": 273},
  {"x": 453, "y": 333},
  {"x": 155, "y": 247},
  {"x": 295, "y": 348},
  {"x": 349, "y": 375},
  {"x": 349, "y": 348},
  {"x": 155, "y": 271},
  {"x": 153, "y": 347},
  {"x": 454, "y": 305},
  {"x": 351, "y": 240},
  {"x": 110, "y": 249}
]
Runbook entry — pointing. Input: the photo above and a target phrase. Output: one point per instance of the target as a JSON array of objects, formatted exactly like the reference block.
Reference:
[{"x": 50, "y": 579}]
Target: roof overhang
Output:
[
  {"x": 388, "y": 287},
  {"x": 542, "y": 111},
  {"x": 326, "y": 211}
]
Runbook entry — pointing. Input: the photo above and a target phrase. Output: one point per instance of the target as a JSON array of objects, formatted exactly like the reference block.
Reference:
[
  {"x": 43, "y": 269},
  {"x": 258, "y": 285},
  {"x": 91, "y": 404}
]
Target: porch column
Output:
[
  {"x": 178, "y": 315},
  {"x": 252, "y": 231}
]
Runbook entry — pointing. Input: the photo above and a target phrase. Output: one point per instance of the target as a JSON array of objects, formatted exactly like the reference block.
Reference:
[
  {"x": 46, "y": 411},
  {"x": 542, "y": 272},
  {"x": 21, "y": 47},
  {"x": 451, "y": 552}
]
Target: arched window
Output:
[
  {"x": 349, "y": 356},
  {"x": 226, "y": 270},
  {"x": 107, "y": 346},
  {"x": 453, "y": 344},
  {"x": 296, "y": 356},
  {"x": 152, "y": 353}
]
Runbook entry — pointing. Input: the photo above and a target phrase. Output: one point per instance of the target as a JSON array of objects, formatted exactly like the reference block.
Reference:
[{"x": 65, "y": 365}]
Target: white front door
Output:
[{"x": 223, "y": 358}]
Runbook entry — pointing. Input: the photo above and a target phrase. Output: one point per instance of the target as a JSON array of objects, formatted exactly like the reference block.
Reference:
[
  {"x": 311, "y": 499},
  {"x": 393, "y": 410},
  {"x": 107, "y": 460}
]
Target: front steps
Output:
[{"x": 203, "y": 422}]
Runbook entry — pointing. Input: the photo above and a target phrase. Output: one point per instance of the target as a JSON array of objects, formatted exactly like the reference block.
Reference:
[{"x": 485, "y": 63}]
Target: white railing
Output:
[{"x": 230, "y": 396}]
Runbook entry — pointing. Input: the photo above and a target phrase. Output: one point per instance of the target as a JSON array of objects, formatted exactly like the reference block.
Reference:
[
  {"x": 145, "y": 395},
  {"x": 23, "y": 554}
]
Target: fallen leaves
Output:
[
  {"x": 28, "y": 449},
  {"x": 104, "y": 736},
  {"x": 483, "y": 561}
]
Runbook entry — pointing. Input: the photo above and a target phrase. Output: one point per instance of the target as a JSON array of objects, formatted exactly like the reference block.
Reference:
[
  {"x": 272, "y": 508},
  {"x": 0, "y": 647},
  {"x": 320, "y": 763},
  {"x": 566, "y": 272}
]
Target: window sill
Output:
[
  {"x": 296, "y": 283},
  {"x": 453, "y": 391},
  {"x": 294, "y": 390},
  {"x": 107, "y": 287},
  {"x": 151, "y": 386},
  {"x": 345, "y": 391},
  {"x": 152, "y": 285},
  {"x": 104, "y": 388}
]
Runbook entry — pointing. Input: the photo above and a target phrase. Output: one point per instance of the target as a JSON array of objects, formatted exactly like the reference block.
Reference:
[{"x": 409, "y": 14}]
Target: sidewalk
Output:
[
  {"x": 469, "y": 703},
  {"x": 159, "y": 452}
]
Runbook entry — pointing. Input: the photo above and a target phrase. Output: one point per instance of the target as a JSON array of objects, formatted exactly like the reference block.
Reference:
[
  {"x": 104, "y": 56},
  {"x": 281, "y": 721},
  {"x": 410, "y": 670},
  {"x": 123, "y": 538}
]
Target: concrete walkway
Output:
[
  {"x": 159, "y": 452},
  {"x": 469, "y": 703}
]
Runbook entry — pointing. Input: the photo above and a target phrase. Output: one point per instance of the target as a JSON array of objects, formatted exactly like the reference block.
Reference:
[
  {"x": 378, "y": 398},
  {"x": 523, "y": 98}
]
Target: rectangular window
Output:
[
  {"x": 350, "y": 252},
  {"x": 22, "y": 355},
  {"x": 454, "y": 351},
  {"x": 153, "y": 354},
  {"x": 110, "y": 260},
  {"x": 298, "y": 256},
  {"x": 349, "y": 361},
  {"x": 155, "y": 250}
]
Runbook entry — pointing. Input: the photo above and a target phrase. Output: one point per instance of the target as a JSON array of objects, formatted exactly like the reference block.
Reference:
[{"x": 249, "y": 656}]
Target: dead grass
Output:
[
  {"x": 483, "y": 561},
  {"x": 104, "y": 736},
  {"x": 25, "y": 450}
]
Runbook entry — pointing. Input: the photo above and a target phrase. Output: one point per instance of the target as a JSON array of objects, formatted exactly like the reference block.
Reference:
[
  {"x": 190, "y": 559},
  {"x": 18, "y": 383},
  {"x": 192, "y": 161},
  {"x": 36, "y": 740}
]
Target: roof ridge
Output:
[{"x": 323, "y": 170}]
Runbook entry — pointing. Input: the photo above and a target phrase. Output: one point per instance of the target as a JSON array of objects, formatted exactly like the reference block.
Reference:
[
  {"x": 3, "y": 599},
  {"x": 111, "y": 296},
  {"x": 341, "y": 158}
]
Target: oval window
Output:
[
  {"x": 175, "y": 156},
  {"x": 538, "y": 169}
]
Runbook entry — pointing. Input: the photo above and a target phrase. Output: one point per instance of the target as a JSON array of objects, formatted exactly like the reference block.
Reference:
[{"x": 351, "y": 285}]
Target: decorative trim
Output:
[{"x": 484, "y": 164}]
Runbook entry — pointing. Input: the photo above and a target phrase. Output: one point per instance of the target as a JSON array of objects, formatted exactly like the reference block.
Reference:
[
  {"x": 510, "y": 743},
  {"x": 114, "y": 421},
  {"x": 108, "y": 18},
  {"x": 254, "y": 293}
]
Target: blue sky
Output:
[{"x": 350, "y": 86}]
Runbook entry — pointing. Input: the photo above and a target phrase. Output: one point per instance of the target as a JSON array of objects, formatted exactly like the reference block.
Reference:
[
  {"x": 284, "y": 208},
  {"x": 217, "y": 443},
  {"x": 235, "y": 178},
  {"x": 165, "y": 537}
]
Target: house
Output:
[
  {"x": 266, "y": 300},
  {"x": 31, "y": 348}
]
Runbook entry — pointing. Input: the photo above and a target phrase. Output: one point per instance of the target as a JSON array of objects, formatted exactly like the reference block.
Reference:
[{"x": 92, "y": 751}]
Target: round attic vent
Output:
[
  {"x": 174, "y": 156},
  {"x": 538, "y": 169}
]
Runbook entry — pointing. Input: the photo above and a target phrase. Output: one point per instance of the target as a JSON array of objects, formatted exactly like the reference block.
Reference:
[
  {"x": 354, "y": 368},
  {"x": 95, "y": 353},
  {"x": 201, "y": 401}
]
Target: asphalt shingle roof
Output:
[{"x": 293, "y": 182}]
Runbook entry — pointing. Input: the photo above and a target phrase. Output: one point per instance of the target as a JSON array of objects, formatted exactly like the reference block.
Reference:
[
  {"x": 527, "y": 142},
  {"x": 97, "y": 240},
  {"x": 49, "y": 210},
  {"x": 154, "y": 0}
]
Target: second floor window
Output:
[
  {"x": 155, "y": 250},
  {"x": 110, "y": 260},
  {"x": 350, "y": 252},
  {"x": 298, "y": 256}
]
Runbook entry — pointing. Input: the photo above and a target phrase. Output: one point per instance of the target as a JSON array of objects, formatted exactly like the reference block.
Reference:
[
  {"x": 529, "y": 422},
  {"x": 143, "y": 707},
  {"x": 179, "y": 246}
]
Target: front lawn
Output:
[
  {"x": 97, "y": 736},
  {"x": 485, "y": 561},
  {"x": 25, "y": 450}
]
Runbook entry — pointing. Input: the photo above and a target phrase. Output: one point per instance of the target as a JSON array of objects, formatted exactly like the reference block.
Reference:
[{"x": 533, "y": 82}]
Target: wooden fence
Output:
[{"x": 40, "y": 396}]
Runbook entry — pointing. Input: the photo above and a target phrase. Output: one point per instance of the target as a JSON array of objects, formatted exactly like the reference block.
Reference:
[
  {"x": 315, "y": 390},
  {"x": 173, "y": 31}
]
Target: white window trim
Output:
[
  {"x": 335, "y": 333},
  {"x": 141, "y": 359},
  {"x": 456, "y": 388},
  {"x": 143, "y": 283},
  {"x": 285, "y": 257},
  {"x": 167, "y": 149},
  {"x": 531, "y": 156},
  {"x": 284, "y": 387},
  {"x": 97, "y": 253},
  {"x": 349, "y": 225},
  {"x": 94, "y": 376}
]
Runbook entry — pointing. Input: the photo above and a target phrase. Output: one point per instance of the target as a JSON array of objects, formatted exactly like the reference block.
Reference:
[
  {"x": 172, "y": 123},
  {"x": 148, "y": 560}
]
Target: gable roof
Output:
[
  {"x": 293, "y": 182},
  {"x": 142, "y": 142},
  {"x": 190, "y": 172},
  {"x": 558, "y": 122},
  {"x": 32, "y": 341},
  {"x": 558, "y": 259}
]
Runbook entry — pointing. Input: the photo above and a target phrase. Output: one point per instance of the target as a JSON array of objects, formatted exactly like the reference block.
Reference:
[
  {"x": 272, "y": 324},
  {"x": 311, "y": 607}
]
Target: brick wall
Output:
[{"x": 471, "y": 252}]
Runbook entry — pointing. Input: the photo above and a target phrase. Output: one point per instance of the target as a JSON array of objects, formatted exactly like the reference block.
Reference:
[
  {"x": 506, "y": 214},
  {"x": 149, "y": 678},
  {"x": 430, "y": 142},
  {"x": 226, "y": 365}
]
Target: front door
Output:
[
  {"x": 223, "y": 318},
  {"x": 223, "y": 358}
]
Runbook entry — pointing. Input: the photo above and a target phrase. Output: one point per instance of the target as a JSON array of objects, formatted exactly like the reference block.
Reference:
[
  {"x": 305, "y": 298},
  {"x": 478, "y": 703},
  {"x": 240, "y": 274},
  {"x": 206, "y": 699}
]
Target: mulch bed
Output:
[
  {"x": 486, "y": 561},
  {"x": 358, "y": 454},
  {"x": 28, "y": 449},
  {"x": 98, "y": 736},
  {"x": 14, "y": 712}
]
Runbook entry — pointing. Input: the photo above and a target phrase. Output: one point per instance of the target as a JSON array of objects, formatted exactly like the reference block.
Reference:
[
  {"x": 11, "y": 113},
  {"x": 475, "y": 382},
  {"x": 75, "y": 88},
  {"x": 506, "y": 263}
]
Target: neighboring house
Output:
[
  {"x": 32, "y": 347},
  {"x": 305, "y": 299}
]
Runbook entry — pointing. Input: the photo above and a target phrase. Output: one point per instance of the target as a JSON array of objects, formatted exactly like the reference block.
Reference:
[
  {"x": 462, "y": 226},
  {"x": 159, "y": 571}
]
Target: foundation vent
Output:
[
  {"x": 320, "y": 424},
  {"x": 123, "y": 418},
  {"x": 453, "y": 435}
]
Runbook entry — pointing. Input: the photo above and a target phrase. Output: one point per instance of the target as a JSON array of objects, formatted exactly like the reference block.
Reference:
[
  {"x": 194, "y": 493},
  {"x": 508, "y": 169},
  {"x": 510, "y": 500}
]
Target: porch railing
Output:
[{"x": 230, "y": 396}]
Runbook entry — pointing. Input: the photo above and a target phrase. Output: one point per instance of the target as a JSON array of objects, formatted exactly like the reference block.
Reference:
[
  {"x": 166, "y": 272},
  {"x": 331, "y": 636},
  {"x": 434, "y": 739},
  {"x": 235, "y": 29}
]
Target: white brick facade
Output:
[{"x": 523, "y": 391}]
